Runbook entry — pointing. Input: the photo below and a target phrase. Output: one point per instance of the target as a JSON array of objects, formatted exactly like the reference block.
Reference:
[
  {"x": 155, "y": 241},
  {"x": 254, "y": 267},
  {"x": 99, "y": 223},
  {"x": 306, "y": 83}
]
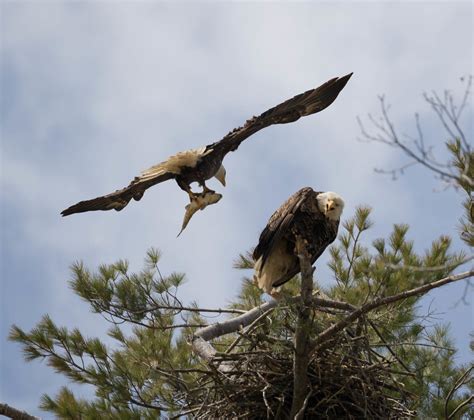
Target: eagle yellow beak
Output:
[
  {"x": 330, "y": 205},
  {"x": 220, "y": 175}
]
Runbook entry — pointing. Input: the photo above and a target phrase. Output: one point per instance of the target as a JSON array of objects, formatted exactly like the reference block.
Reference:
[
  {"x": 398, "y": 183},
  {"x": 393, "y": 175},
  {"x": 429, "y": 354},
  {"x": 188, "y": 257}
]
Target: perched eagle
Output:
[
  {"x": 199, "y": 165},
  {"x": 314, "y": 216}
]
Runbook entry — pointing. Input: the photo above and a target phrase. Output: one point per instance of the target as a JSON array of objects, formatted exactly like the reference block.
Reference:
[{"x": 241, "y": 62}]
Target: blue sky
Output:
[{"x": 94, "y": 92}]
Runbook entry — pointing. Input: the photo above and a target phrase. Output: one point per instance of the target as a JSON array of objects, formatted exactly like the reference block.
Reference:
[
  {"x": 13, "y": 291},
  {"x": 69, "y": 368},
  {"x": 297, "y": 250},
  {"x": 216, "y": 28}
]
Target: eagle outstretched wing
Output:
[
  {"x": 307, "y": 103},
  {"x": 278, "y": 224},
  {"x": 120, "y": 198},
  {"x": 164, "y": 171}
]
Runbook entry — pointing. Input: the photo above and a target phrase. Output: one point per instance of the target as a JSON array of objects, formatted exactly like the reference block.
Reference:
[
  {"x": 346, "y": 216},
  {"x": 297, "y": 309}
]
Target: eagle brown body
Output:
[
  {"x": 301, "y": 215},
  {"x": 199, "y": 165}
]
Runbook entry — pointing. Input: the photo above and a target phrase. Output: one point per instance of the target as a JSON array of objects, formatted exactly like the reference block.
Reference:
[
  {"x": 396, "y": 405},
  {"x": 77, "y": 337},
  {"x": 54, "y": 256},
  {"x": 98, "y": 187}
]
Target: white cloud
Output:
[{"x": 99, "y": 91}]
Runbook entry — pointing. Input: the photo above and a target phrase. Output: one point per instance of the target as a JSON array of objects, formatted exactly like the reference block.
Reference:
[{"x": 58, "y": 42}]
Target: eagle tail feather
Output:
[{"x": 274, "y": 270}]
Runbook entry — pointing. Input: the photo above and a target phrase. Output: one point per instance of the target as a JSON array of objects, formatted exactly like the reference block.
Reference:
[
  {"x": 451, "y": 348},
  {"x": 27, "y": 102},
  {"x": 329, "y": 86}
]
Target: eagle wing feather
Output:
[
  {"x": 161, "y": 172},
  {"x": 120, "y": 198},
  {"x": 307, "y": 103},
  {"x": 174, "y": 164},
  {"x": 278, "y": 224}
]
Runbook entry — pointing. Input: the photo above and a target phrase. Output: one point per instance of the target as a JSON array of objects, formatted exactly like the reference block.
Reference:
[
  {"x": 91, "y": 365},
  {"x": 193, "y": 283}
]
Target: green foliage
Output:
[
  {"x": 463, "y": 162},
  {"x": 66, "y": 406},
  {"x": 392, "y": 266},
  {"x": 131, "y": 379},
  {"x": 435, "y": 373},
  {"x": 151, "y": 368}
]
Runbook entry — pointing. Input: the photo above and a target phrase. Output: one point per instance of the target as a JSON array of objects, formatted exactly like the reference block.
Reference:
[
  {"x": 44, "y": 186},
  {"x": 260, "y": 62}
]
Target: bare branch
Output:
[
  {"x": 179, "y": 309},
  {"x": 467, "y": 401},
  {"x": 249, "y": 329},
  {"x": 415, "y": 344},
  {"x": 429, "y": 269},
  {"x": 221, "y": 328},
  {"x": 465, "y": 377},
  {"x": 300, "y": 414},
  {"x": 376, "y": 303},
  {"x": 449, "y": 115},
  {"x": 303, "y": 328},
  {"x": 329, "y": 303},
  {"x": 392, "y": 352},
  {"x": 201, "y": 338},
  {"x": 9, "y": 411}
]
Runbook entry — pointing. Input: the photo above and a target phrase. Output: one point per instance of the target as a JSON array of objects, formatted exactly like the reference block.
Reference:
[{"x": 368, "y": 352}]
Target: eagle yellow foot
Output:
[
  {"x": 206, "y": 190},
  {"x": 192, "y": 196}
]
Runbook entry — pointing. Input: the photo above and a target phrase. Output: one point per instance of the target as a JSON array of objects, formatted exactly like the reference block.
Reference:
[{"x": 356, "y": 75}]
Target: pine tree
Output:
[{"x": 360, "y": 348}]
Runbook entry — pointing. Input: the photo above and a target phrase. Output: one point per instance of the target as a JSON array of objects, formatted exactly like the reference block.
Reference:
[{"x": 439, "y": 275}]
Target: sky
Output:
[{"x": 94, "y": 92}]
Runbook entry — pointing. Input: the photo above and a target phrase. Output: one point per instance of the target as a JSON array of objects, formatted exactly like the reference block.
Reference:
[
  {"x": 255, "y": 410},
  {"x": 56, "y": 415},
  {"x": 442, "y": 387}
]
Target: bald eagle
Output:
[
  {"x": 314, "y": 216},
  {"x": 199, "y": 165}
]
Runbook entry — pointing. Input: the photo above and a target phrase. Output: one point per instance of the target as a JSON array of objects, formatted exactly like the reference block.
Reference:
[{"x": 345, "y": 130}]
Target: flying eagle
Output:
[
  {"x": 199, "y": 165},
  {"x": 313, "y": 216}
]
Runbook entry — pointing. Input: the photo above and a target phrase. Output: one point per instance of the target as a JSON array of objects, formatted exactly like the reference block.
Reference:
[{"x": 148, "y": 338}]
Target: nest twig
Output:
[{"x": 345, "y": 380}]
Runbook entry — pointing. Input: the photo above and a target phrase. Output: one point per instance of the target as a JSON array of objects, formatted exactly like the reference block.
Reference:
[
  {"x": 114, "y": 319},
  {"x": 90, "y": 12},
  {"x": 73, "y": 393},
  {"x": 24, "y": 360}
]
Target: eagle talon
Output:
[
  {"x": 192, "y": 196},
  {"x": 206, "y": 190}
]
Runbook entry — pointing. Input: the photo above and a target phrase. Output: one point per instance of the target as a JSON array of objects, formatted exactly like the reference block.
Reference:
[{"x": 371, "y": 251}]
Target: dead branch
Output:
[
  {"x": 415, "y": 149},
  {"x": 200, "y": 341},
  {"x": 463, "y": 404},
  {"x": 376, "y": 303},
  {"x": 302, "y": 334},
  {"x": 392, "y": 352},
  {"x": 465, "y": 378},
  {"x": 15, "y": 414},
  {"x": 221, "y": 328},
  {"x": 432, "y": 269},
  {"x": 201, "y": 338},
  {"x": 202, "y": 347}
]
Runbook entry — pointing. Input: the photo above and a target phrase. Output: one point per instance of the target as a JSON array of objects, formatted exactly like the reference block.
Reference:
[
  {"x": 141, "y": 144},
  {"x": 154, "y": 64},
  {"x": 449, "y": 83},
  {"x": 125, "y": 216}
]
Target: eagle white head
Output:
[{"x": 331, "y": 205}]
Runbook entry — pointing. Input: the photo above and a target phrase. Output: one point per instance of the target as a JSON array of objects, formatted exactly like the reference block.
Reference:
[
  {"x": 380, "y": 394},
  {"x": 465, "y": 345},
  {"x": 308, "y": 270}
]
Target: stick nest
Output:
[{"x": 348, "y": 379}]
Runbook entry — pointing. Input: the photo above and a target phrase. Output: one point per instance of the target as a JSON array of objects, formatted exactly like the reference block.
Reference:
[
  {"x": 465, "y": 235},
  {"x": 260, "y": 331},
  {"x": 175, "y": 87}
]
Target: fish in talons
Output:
[{"x": 198, "y": 201}]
